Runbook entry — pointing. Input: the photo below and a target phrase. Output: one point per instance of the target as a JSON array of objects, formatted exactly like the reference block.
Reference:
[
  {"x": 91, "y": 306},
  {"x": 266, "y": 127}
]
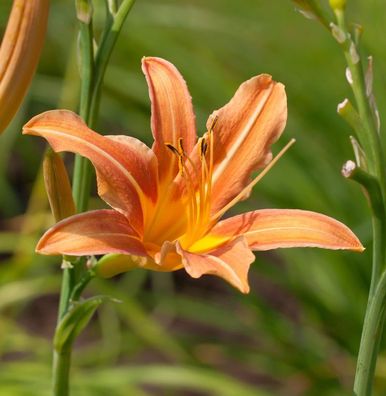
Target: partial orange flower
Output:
[
  {"x": 19, "y": 53},
  {"x": 167, "y": 202}
]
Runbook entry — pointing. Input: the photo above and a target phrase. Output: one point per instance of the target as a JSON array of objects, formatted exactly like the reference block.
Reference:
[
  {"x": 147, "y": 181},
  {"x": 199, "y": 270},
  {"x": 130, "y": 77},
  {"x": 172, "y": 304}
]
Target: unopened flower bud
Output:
[
  {"x": 19, "y": 53},
  {"x": 348, "y": 168},
  {"x": 114, "y": 264},
  {"x": 58, "y": 186}
]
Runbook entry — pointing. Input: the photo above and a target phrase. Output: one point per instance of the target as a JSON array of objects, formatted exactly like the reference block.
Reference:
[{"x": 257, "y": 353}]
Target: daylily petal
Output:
[
  {"x": 91, "y": 233},
  {"x": 166, "y": 260},
  {"x": 172, "y": 114},
  {"x": 143, "y": 166},
  {"x": 246, "y": 127},
  {"x": 230, "y": 262},
  {"x": 127, "y": 172},
  {"x": 284, "y": 228}
]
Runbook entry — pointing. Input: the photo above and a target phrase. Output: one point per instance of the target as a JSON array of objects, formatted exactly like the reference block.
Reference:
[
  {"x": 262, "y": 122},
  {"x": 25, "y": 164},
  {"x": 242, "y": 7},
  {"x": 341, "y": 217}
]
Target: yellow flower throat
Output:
[{"x": 188, "y": 218}]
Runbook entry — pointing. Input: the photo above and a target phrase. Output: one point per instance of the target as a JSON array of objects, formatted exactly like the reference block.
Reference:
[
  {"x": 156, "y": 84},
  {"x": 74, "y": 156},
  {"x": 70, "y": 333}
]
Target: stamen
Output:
[
  {"x": 204, "y": 183},
  {"x": 181, "y": 165},
  {"x": 214, "y": 122},
  {"x": 204, "y": 192},
  {"x": 193, "y": 212},
  {"x": 172, "y": 149},
  {"x": 245, "y": 190},
  {"x": 179, "y": 153},
  {"x": 181, "y": 147},
  {"x": 203, "y": 147},
  {"x": 210, "y": 170}
]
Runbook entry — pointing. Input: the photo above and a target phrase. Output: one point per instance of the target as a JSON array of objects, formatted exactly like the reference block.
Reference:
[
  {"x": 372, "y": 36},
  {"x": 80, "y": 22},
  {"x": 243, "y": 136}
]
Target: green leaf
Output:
[{"x": 75, "y": 320}]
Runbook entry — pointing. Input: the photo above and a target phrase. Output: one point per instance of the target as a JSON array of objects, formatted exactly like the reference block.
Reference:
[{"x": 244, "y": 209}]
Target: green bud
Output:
[
  {"x": 114, "y": 264},
  {"x": 346, "y": 110},
  {"x": 338, "y": 5},
  {"x": 370, "y": 184},
  {"x": 84, "y": 11}
]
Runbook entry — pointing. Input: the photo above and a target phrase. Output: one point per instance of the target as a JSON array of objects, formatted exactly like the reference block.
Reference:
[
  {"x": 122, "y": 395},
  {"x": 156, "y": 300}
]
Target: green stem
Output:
[
  {"x": 374, "y": 317},
  {"x": 82, "y": 177},
  {"x": 110, "y": 36},
  {"x": 371, "y": 337},
  {"x": 61, "y": 372},
  {"x": 62, "y": 357},
  {"x": 65, "y": 292},
  {"x": 62, "y": 360},
  {"x": 374, "y": 195},
  {"x": 371, "y": 142},
  {"x": 81, "y": 285},
  {"x": 81, "y": 191}
]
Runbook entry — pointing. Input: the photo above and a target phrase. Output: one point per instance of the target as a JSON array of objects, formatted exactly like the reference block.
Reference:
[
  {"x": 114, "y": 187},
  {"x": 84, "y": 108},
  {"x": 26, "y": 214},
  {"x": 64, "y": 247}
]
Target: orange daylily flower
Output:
[
  {"x": 19, "y": 53},
  {"x": 167, "y": 201}
]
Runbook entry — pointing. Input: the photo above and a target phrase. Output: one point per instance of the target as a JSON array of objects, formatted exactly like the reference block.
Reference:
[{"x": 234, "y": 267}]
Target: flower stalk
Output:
[
  {"x": 369, "y": 172},
  {"x": 374, "y": 317},
  {"x": 92, "y": 70},
  {"x": 364, "y": 121}
]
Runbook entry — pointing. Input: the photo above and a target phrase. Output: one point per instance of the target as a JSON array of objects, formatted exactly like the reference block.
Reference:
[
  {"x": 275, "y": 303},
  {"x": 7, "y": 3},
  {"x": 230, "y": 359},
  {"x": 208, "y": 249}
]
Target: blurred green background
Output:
[{"x": 298, "y": 331}]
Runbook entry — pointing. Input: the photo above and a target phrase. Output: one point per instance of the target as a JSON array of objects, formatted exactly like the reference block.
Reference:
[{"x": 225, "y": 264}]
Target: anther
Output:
[
  {"x": 172, "y": 149},
  {"x": 181, "y": 147},
  {"x": 214, "y": 122},
  {"x": 203, "y": 147}
]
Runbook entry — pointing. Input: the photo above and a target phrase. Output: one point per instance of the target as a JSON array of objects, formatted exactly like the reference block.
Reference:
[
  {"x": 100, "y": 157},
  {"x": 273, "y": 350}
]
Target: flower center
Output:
[
  {"x": 184, "y": 210},
  {"x": 196, "y": 175}
]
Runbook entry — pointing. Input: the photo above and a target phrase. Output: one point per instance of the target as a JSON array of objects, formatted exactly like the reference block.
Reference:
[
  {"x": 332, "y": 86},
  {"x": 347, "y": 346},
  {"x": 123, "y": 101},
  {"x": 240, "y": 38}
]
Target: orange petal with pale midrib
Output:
[
  {"x": 246, "y": 128},
  {"x": 127, "y": 175},
  {"x": 172, "y": 115},
  {"x": 91, "y": 233},
  {"x": 284, "y": 228}
]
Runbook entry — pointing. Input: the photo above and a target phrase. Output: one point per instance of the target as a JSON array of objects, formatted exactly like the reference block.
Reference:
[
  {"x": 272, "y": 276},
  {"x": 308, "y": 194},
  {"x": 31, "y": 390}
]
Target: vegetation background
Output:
[{"x": 298, "y": 331}]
